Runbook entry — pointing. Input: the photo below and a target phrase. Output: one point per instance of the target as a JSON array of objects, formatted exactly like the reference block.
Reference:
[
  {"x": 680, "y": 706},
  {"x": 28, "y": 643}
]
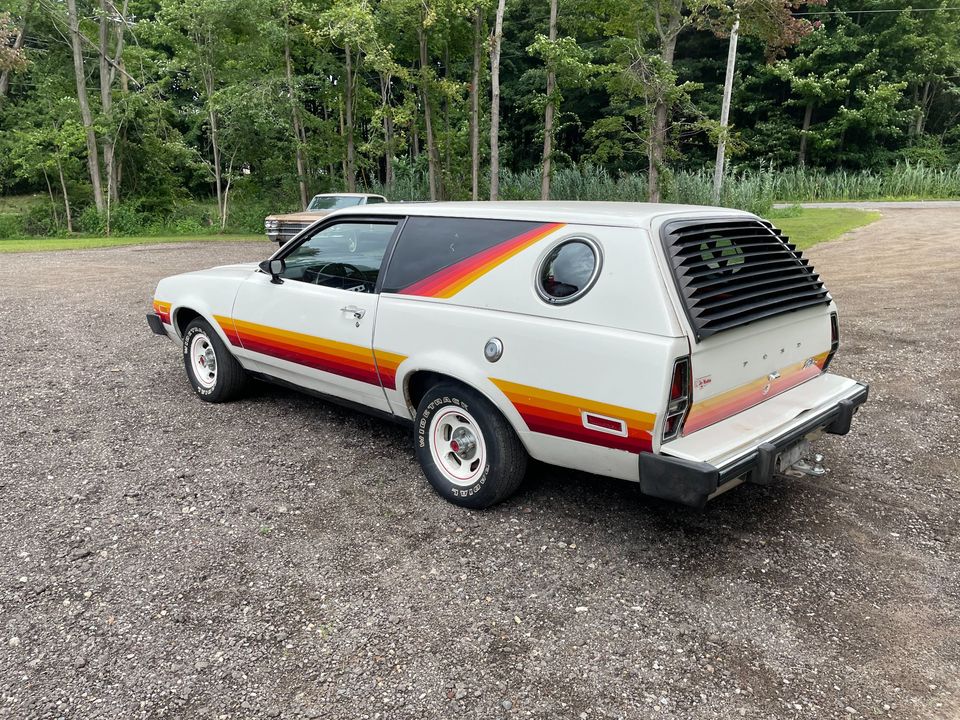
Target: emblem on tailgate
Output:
[{"x": 702, "y": 382}]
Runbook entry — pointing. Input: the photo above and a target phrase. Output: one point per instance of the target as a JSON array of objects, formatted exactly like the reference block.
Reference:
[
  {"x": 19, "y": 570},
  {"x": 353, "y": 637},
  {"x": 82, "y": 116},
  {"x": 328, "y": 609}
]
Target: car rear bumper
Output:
[
  {"x": 156, "y": 324},
  {"x": 677, "y": 473}
]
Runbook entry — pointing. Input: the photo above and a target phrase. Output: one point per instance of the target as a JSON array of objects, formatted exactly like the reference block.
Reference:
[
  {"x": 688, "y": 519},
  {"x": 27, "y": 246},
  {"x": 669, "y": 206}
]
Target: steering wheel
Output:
[{"x": 344, "y": 270}]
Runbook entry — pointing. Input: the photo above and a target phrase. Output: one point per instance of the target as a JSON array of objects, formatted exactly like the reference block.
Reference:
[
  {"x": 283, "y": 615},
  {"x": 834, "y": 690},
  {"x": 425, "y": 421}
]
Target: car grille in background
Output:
[{"x": 734, "y": 271}]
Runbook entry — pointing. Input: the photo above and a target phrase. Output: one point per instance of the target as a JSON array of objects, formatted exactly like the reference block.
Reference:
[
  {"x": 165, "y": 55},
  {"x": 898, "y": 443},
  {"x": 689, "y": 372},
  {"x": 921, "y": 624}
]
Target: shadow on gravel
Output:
[
  {"x": 697, "y": 541},
  {"x": 631, "y": 527}
]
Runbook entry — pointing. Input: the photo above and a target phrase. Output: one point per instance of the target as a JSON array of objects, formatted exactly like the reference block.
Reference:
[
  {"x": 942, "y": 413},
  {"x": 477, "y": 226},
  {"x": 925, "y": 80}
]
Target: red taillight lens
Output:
[
  {"x": 834, "y": 339},
  {"x": 678, "y": 403},
  {"x": 676, "y": 387}
]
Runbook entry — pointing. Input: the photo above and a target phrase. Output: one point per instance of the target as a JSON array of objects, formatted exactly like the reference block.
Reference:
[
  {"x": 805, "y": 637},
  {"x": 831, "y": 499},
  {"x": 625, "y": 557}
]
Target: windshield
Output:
[{"x": 332, "y": 202}]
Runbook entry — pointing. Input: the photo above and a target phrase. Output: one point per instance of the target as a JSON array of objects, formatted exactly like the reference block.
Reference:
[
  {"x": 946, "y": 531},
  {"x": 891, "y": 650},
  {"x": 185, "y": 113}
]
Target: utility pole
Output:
[{"x": 725, "y": 110}]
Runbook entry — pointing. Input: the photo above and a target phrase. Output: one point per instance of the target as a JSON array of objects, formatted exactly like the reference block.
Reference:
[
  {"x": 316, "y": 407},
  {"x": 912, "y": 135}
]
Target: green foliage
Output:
[
  {"x": 11, "y": 225},
  {"x": 238, "y": 88}
]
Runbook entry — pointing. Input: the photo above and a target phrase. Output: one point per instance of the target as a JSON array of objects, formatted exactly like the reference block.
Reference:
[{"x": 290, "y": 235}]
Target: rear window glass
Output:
[{"x": 428, "y": 245}]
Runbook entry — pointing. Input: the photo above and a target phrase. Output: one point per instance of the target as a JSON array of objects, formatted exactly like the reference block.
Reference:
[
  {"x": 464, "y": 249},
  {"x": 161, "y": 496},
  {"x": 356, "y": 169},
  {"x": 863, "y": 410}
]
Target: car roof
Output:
[
  {"x": 347, "y": 195},
  {"x": 624, "y": 214}
]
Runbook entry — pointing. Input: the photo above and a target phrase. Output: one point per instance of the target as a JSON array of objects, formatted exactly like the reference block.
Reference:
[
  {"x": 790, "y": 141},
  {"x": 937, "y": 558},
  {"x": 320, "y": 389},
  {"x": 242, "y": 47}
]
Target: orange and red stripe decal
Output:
[
  {"x": 351, "y": 361},
  {"x": 729, "y": 403},
  {"x": 560, "y": 415},
  {"x": 387, "y": 364},
  {"x": 451, "y": 280},
  {"x": 163, "y": 310}
]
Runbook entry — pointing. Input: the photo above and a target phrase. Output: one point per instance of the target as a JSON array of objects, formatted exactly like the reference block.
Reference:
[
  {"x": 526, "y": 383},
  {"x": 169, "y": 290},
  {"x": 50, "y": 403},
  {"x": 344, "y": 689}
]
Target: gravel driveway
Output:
[{"x": 281, "y": 557}]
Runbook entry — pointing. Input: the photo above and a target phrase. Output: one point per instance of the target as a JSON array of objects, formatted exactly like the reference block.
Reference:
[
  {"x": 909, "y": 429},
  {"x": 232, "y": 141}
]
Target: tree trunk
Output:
[
  {"x": 658, "y": 131},
  {"x": 445, "y": 174},
  {"x": 350, "y": 168},
  {"x": 226, "y": 194},
  {"x": 17, "y": 44},
  {"x": 93, "y": 156},
  {"x": 415, "y": 134},
  {"x": 807, "y": 117},
  {"x": 387, "y": 109},
  {"x": 66, "y": 198},
  {"x": 475, "y": 107},
  {"x": 106, "y": 105},
  {"x": 495, "y": 102},
  {"x": 548, "y": 112},
  {"x": 725, "y": 112},
  {"x": 433, "y": 158},
  {"x": 209, "y": 86},
  {"x": 297, "y": 126},
  {"x": 922, "y": 115},
  {"x": 53, "y": 202}
]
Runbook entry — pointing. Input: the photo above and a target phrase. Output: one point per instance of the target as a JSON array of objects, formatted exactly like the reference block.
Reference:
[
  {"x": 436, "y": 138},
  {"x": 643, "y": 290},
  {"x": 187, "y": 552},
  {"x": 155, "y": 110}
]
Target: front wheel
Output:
[
  {"x": 215, "y": 374},
  {"x": 467, "y": 449}
]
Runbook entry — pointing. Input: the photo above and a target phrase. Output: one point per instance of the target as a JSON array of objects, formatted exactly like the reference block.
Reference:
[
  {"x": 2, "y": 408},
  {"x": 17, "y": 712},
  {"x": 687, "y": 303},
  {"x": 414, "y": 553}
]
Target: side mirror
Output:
[{"x": 274, "y": 268}]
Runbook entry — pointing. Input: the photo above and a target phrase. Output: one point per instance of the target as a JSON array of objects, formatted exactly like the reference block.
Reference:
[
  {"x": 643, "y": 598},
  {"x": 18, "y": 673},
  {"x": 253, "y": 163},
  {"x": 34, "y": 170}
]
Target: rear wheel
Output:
[
  {"x": 467, "y": 449},
  {"x": 215, "y": 374}
]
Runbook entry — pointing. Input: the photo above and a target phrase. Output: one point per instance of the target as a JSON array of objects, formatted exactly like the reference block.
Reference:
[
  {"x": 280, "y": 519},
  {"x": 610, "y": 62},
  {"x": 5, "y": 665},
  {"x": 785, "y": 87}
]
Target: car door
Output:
[{"x": 313, "y": 324}]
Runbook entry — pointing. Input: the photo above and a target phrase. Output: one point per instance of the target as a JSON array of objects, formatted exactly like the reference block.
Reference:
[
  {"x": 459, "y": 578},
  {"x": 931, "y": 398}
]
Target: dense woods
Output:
[{"x": 208, "y": 113}]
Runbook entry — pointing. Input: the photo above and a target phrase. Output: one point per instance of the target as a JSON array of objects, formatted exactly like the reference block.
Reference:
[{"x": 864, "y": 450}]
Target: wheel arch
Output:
[
  {"x": 416, "y": 382},
  {"x": 183, "y": 316}
]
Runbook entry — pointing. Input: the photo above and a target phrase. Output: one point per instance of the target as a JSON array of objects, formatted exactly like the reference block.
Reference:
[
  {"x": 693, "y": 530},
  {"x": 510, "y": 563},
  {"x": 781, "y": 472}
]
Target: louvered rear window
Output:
[{"x": 733, "y": 271}]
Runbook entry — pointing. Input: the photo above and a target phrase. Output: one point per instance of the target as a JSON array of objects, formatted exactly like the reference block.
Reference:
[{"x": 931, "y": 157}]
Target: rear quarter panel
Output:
[{"x": 609, "y": 353}]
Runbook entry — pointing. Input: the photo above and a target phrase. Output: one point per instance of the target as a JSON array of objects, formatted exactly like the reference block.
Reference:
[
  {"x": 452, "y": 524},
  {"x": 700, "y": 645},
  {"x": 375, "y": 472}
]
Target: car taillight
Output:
[
  {"x": 678, "y": 403},
  {"x": 834, "y": 339}
]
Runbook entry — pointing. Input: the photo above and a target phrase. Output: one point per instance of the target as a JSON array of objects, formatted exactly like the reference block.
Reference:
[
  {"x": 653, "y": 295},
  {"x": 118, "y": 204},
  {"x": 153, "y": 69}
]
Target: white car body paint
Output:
[{"x": 611, "y": 350}]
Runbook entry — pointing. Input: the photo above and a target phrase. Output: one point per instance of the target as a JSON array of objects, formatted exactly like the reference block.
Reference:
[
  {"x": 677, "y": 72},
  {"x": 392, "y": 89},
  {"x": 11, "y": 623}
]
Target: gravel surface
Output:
[{"x": 281, "y": 557}]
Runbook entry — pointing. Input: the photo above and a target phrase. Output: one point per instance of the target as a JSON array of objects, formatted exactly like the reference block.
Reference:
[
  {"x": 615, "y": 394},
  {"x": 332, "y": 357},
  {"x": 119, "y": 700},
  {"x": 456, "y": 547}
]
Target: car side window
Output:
[
  {"x": 347, "y": 255},
  {"x": 374, "y": 200}
]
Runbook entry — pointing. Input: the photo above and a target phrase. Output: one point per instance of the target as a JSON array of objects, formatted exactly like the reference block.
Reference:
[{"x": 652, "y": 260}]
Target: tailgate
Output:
[{"x": 726, "y": 442}]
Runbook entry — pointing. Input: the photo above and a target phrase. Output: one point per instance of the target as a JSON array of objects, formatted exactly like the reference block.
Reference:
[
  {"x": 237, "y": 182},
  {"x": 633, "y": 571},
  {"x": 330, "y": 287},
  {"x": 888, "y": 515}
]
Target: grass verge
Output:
[
  {"x": 805, "y": 226},
  {"x": 86, "y": 243},
  {"x": 808, "y": 226}
]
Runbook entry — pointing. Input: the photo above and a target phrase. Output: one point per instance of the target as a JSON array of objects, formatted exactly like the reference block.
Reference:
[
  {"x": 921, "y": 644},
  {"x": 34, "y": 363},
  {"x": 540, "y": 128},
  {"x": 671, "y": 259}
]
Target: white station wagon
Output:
[{"x": 684, "y": 348}]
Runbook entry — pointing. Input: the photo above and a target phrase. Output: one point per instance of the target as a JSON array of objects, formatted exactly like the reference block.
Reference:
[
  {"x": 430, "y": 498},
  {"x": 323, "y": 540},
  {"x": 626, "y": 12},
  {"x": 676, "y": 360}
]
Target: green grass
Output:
[
  {"x": 808, "y": 226},
  {"x": 16, "y": 204},
  {"x": 85, "y": 243}
]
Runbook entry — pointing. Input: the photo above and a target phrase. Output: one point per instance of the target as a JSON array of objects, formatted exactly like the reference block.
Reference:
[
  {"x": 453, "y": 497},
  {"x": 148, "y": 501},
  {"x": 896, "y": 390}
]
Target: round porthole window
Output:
[{"x": 568, "y": 271}]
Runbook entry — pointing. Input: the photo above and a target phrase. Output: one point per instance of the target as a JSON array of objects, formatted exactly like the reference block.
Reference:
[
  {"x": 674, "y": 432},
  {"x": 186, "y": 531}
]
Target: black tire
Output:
[
  {"x": 228, "y": 379},
  {"x": 503, "y": 464}
]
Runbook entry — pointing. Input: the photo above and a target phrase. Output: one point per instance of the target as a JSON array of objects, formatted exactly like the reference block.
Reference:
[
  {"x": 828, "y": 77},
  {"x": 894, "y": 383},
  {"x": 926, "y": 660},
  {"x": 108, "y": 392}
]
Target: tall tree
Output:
[
  {"x": 549, "y": 110},
  {"x": 495, "y": 41},
  {"x": 12, "y": 57},
  {"x": 83, "y": 100},
  {"x": 475, "y": 103},
  {"x": 296, "y": 123},
  {"x": 112, "y": 26},
  {"x": 427, "y": 18}
]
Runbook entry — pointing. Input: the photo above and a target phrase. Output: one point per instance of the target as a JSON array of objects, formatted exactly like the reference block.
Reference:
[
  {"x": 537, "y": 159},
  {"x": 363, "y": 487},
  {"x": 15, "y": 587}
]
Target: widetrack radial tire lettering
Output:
[
  {"x": 467, "y": 449},
  {"x": 214, "y": 373}
]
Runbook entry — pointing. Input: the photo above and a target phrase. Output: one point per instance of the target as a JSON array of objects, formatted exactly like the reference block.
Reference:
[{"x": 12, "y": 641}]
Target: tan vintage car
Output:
[{"x": 280, "y": 228}]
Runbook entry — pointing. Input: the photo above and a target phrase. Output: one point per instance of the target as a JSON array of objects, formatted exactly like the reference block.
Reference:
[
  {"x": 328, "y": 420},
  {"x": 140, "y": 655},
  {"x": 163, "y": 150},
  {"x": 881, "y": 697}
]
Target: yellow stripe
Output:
[
  {"x": 565, "y": 403},
  {"x": 388, "y": 359},
  {"x": 462, "y": 282},
  {"x": 295, "y": 338},
  {"x": 751, "y": 387}
]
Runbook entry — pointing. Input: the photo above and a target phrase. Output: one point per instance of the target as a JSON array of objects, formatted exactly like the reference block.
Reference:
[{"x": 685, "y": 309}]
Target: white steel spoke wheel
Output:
[
  {"x": 215, "y": 374},
  {"x": 467, "y": 449}
]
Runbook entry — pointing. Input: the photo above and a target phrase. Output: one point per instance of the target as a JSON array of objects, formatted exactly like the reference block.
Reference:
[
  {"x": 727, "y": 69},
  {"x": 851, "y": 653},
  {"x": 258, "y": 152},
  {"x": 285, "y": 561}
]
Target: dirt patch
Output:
[{"x": 280, "y": 557}]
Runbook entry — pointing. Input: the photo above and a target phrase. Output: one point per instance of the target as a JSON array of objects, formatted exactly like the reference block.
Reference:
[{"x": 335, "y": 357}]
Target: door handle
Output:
[{"x": 357, "y": 312}]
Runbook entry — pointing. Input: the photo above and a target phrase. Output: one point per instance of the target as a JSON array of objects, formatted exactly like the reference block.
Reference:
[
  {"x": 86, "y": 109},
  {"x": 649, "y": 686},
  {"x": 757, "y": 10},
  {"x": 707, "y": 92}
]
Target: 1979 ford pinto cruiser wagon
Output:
[{"x": 684, "y": 348}]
